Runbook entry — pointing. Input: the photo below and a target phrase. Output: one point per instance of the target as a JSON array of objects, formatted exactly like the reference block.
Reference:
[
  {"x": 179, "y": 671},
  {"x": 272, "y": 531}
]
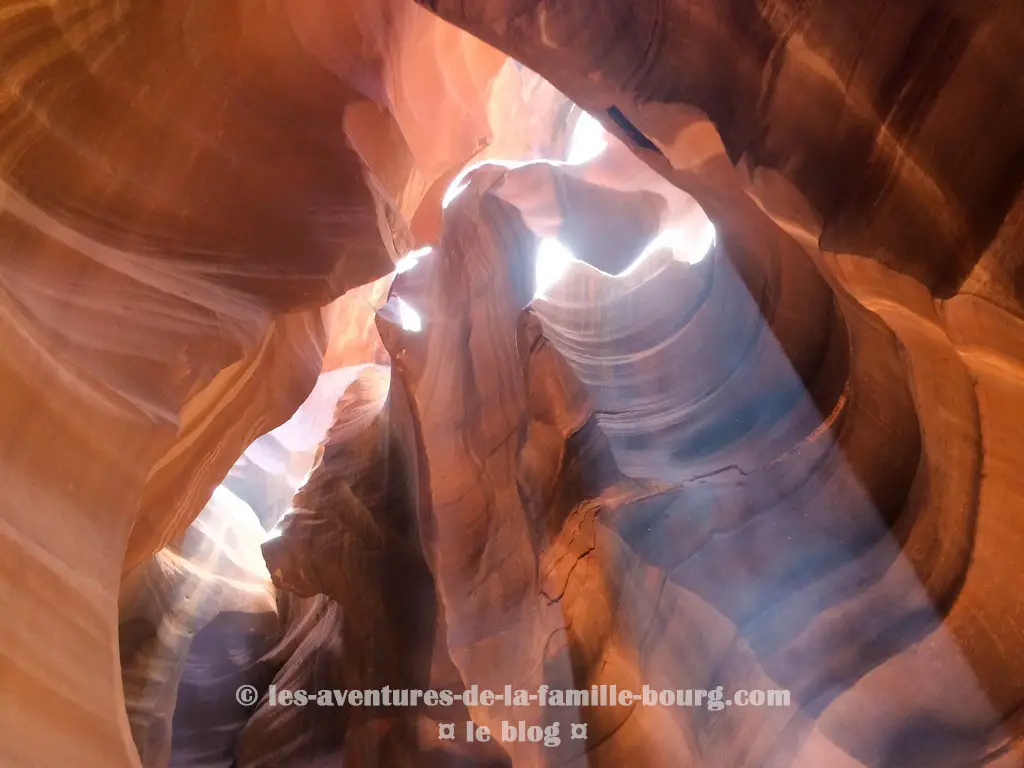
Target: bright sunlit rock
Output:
[
  {"x": 411, "y": 259},
  {"x": 589, "y": 139},
  {"x": 685, "y": 246},
  {"x": 409, "y": 318},
  {"x": 457, "y": 187},
  {"x": 553, "y": 259},
  {"x": 459, "y": 183}
]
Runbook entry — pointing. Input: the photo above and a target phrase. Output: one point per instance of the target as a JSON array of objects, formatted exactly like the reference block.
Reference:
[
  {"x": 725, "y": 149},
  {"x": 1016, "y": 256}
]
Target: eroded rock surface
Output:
[
  {"x": 779, "y": 451},
  {"x": 899, "y": 122},
  {"x": 777, "y": 544},
  {"x": 183, "y": 188}
]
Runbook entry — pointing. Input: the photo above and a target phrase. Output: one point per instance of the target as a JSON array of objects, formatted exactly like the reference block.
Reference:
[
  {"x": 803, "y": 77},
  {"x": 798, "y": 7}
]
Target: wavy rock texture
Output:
[
  {"x": 351, "y": 537},
  {"x": 214, "y": 573},
  {"x": 147, "y": 202},
  {"x": 786, "y": 536},
  {"x": 195, "y": 620},
  {"x": 900, "y": 123},
  {"x": 182, "y": 188},
  {"x": 791, "y": 462}
]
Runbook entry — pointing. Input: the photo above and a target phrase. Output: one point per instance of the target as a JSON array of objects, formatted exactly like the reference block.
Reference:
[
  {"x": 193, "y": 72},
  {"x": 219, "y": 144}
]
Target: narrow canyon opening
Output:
[{"x": 401, "y": 383}]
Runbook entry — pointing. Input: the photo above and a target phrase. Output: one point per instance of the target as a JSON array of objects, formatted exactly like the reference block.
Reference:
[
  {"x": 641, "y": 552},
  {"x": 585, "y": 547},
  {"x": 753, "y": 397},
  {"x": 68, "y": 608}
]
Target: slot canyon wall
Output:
[{"x": 735, "y": 399}]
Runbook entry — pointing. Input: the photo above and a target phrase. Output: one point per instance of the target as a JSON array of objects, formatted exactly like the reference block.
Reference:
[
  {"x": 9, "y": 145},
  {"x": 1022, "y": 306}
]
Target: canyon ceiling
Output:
[{"x": 360, "y": 343}]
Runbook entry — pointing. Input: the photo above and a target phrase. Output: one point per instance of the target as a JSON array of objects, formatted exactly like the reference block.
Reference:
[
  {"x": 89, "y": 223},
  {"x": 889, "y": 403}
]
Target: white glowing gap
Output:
[
  {"x": 684, "y": 247},
  {"x": 704, "y": 243},
  {"x": 553, "y": 259},
  {"x": 409, "y": 317},
  {"x": 411, "y": 259},
  {"x": 589, "y": 140}
]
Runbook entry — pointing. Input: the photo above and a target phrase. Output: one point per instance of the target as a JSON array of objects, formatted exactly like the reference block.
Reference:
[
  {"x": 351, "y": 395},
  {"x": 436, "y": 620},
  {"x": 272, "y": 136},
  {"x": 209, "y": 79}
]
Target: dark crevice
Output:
[{"x": 632, "y": 132}]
